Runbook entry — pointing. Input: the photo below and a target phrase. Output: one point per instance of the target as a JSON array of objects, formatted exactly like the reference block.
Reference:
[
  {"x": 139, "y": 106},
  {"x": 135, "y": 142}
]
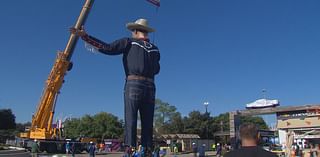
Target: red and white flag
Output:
[{"x": 155, "y": 2}]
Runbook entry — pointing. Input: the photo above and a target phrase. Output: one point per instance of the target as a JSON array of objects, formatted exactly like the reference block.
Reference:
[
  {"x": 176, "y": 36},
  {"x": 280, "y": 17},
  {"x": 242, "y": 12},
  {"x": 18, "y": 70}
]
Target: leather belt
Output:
[{"x": 137, "y": 77}]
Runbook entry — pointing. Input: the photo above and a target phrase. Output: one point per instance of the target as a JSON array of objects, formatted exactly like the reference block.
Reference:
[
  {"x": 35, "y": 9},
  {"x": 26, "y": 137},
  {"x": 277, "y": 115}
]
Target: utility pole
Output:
[
  {"x": 221, "y": 130},
  {"x": 207, "y": 126}
]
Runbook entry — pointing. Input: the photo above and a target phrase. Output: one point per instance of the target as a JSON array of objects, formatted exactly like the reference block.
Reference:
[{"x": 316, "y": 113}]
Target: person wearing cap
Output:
[
  {"x": 194, "y": 149},
  {"x": 141, "y": 64},
  {"x": 67, "y": 147},
  {"x": 92, "y": 149},
  {"x": 219, "y": 150},
  {"x": 34, "y": 148}
]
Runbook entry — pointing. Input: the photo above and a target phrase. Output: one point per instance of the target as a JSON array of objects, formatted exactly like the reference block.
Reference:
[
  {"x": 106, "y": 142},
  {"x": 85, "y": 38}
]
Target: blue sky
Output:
[{"x": 221, "y": 51}]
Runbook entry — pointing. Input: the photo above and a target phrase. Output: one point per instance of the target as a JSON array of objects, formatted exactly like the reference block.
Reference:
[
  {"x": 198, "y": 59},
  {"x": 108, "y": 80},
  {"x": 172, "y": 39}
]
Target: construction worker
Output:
[
  {"x": 34, "y": 148},
  {"x": 214, "y": 147},
  {"x": 67, "y": 147},
  {"x": 92, "y": 149},
  {"x": 141, "y": 64},
  {"x": 194, "y": 149},
  {"x": 219, "y": 150}
]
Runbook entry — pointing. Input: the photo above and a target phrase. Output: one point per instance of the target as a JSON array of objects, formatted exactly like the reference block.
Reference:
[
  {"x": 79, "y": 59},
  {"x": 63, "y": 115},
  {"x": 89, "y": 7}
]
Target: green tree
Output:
[
  {"x": 102, "y": 125},
  {"x": 164, "y": 115},
  {"x": 71, "y": 128},
  {"x": 7, "y": 124},
  {"x": 7, "y": 119},
  {"x": 20, "y": 127},
  {"x": 174, "y": 126},
  {"x": 198, "y": 123},
  {"x": 107, "y": 126},
  {"x": 260, "y": 123},
  {"x": 221, "y": 122},
  {"x": 86, "y": 127}
]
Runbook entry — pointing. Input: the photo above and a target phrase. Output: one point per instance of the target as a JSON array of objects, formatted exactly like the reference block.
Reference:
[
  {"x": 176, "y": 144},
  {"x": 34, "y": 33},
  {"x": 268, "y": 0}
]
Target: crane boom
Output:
[
  {"x": 41, "y": 126},
  {"x": 68, "y": 51}
]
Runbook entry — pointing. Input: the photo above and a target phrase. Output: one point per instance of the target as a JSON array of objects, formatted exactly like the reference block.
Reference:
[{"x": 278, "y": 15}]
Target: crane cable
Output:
[
  {"x": 156, "y": 3},
  {"x": 154, "y": 33}
]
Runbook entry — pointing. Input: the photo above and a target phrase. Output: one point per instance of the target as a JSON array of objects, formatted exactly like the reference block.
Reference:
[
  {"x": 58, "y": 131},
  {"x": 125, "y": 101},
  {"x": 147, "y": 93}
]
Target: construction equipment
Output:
[{"x": 41, "y": 127}]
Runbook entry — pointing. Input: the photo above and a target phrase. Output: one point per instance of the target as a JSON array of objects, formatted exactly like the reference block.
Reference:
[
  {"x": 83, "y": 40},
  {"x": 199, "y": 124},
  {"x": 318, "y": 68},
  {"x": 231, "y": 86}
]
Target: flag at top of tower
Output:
[{"x": 155, "y": 2}]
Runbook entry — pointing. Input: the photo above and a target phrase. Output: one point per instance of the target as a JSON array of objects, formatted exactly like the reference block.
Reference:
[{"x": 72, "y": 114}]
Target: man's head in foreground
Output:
[{"x": 249, "y": 135}]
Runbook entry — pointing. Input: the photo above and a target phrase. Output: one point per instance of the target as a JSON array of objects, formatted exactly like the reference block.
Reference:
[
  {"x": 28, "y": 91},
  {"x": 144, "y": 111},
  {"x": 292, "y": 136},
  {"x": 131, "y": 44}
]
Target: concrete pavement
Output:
[
  {"x": 119, "y": 154},
  {"x": 14, "y": 153},
  {"x": 21, "y": 153},
  {"x": 113, "y": 154}
]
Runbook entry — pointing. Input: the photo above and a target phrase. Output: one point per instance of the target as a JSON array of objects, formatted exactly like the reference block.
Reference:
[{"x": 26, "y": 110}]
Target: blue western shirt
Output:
[{"x": 139, "y": 56}]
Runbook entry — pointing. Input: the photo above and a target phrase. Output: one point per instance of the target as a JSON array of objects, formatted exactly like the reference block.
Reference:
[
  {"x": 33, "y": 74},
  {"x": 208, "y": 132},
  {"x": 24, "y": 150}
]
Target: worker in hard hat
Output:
[
  {"x": 141, "y": 64},
  {"x": 67, "y": 147},
  {"x": 194, "y": 149},
  {"x": 219, "y": 150},
  {"x": 34, "y": 148},
  {"x": 92, "y": 149}
]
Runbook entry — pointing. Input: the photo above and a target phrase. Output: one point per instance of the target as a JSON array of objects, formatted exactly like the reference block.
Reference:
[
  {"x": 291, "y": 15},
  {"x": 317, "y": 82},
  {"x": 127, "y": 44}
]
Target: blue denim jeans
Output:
[{"x": 139, "y": 95}]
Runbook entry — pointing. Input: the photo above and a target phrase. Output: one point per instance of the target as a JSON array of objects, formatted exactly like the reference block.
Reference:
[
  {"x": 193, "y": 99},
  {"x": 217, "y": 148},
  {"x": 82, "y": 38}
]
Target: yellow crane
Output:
[{"x": 41, "y": 126}]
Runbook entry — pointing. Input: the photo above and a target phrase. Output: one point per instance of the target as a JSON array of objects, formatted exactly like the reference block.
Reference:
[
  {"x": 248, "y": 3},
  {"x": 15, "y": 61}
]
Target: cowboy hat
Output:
[{"x": 140, "y": 24}]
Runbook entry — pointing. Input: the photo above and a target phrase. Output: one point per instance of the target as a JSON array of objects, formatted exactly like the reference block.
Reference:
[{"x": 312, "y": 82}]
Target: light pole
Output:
[
  {"x": 207, "y": 116},
  {"x": 206, "y": 105}
]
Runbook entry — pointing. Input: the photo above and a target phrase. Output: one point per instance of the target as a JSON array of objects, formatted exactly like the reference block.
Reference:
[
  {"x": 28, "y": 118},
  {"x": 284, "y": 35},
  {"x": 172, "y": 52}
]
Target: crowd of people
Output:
[
  {"x": 141, "y": 152},
  {"x": 310, "y": 150}
]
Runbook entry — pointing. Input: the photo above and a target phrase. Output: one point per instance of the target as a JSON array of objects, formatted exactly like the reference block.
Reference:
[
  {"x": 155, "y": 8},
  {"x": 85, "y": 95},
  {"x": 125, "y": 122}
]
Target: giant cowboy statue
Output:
[{"x": 141, "y": 64}]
